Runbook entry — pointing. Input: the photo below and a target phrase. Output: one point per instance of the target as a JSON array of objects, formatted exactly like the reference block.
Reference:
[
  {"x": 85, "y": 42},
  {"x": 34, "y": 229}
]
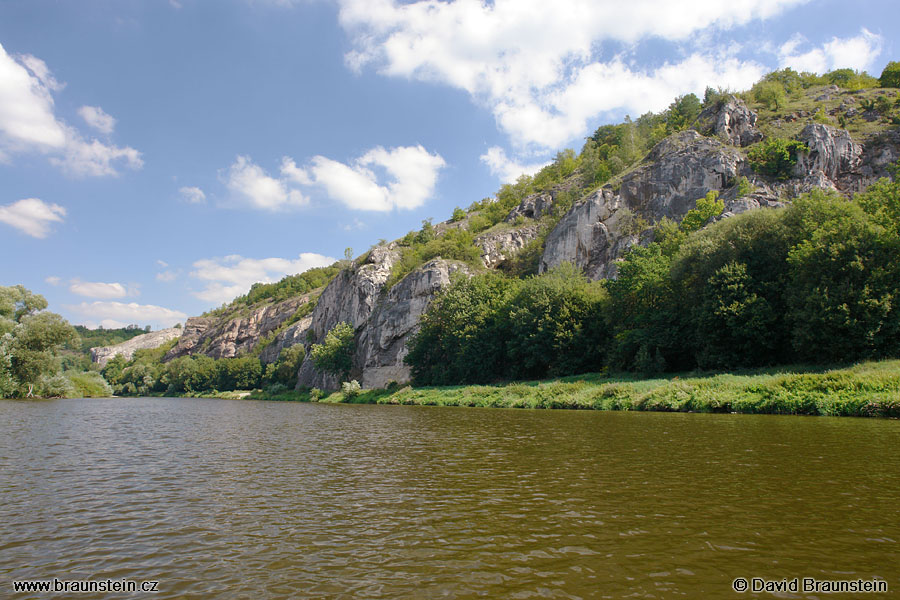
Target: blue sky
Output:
[{"x": 157, "y": 157}]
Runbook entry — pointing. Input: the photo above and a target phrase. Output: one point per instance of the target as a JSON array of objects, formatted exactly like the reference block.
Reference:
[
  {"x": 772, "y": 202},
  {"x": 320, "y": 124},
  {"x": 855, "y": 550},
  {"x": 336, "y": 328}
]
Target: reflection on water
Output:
[{"x": 232, "y": 499}]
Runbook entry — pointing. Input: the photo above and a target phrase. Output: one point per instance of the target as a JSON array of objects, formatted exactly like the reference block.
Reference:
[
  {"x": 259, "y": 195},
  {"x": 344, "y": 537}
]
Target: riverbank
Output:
[{"x": 869, "y": 389}]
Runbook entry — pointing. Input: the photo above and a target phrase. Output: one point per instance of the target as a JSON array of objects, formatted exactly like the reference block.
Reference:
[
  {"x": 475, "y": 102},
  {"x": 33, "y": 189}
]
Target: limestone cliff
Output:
[
  {"x": 594, "y": 234},
  {"x": 154, "y": 339},
  {"x": 236, "y": 333},
  {"x": 383, "y": 319},
  {"x": 598, "y": 230}
]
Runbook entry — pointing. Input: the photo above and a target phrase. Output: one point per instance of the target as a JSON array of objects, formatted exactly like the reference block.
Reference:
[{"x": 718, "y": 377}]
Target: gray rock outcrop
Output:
[
  {"x": 598, "y": 230},
  {"x": 497, "y": 246},
  {"x": 102, "y": 354},
  {"x": 230, "y": 337},
  {"x": 731, "y": 121},
  {"x": 381, "y": 342},
  {"x": 383, "y": 319},
  {"x": 533, "y": 207},
  {"x": 832, "y": 152}
]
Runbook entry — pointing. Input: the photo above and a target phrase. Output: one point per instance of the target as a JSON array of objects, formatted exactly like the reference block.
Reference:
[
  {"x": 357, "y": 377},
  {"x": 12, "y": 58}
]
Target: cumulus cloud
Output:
[
  {"x": 97, "y": 289},
  {"x": 193, "y": 195},
  {"x": 117, "y": 314},
  {"x": 858, "y": 52},
  {"x": 379, "y": 180},
  {"x": 252, "y": 185},
  {"x": 167, "y": 276},
  {"x": 506, "y": 169},
  {"x": 32, "y": 216},
  {"x": 28, "y": 122},
  {"x": 229, "y": 277},
  {"x": 535, "y": 64},
  {"x": 97, "y": 118},
  {"x": 53, "y": 280}
]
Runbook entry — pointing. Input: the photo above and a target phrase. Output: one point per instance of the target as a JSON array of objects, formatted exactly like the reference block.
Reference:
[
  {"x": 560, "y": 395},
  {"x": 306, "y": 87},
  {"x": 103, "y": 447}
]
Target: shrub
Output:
[
  {"x": 335, "y": 354},
  {"x": 458, "y": 215},
  {"x": 890, "y": 76},
  {"x": 775, "y": 157},
  {"x": 350, "y": 389}
]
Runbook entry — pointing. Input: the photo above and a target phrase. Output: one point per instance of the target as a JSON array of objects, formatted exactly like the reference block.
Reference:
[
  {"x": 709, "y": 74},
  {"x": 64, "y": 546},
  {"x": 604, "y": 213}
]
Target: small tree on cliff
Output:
[{"x": 335, "y": 354}]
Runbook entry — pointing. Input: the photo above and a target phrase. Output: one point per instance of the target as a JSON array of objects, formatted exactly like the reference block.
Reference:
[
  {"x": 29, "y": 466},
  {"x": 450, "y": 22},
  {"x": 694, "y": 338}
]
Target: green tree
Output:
[
  {"x": 706, "y": 208},
  {"x": 33, "y": 348},
  {"x": 775, "y": 157},
  {"x": 769, "y": 94},
  {"x": 555, "y": 325},
  {"x": 682, "y": 113},
  {"x": 335, "y": 354},
  {"x": 890, "y": 76},
  {"x": 462, "y": 336},
  {"x": 285, "y": 369},
  {"x": 458, "y": 215}
]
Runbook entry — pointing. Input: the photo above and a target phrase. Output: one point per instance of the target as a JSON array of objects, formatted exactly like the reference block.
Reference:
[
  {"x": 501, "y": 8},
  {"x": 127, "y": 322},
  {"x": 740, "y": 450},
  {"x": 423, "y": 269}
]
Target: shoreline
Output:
[{"x": 868, "y": 389}]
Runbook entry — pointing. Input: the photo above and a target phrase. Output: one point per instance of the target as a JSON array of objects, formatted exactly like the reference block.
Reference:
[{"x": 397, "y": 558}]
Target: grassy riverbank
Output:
[{"x": 870, "y": 389}]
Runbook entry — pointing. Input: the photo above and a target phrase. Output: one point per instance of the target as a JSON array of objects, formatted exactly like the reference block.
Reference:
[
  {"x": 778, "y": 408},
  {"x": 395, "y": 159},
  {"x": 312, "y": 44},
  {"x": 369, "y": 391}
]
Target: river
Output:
[{"x": 243, "y": 499}]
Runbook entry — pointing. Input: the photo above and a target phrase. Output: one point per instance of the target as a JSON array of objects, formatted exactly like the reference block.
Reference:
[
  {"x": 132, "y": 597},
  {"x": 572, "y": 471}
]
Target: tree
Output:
[
  {"x": 706, "y": 209},
  {"x": 461, "y": 337},
  {"x": 890, "y": 76},
  {"x": 769, "y": 94},
  {"x": 335, "y": 354},
  {"x": 775, "y": 157},
  {"x": 458, "y": 215}
]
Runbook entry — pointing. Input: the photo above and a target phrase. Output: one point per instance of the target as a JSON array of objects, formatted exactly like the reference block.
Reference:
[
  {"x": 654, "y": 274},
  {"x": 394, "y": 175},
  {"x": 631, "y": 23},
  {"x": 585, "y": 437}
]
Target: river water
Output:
[{"x": 242, "y": 499}]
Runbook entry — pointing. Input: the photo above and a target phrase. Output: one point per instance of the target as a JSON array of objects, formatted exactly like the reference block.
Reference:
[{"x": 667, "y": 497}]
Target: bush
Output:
[
  {"x": 335, "y": 354},
  {"x": 890, "y": 76},
  {"x": 775, "y": 157},
  {"x": 350, "y": 389},
  {"x": 90, "y": 384},
  {"x": 458, "y": 215}
]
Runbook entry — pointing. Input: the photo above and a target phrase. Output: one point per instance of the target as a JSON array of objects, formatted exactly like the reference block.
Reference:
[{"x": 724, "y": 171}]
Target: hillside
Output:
[{"x": 789, "y": 135}]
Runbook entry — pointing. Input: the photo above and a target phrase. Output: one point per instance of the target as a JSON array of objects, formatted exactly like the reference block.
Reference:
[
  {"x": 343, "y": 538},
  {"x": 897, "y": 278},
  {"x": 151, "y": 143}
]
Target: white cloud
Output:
[
  {"x": 410, "y": 175},
  {"x": 32, "y": 216},
  {"x": 193, "y": 195},
  {"x": 95, "y": 159},
  {"x": 121, "y": 313},
  {"x": 381, "y": 180},
  {"x": 162, "y": 263},
  {"x": 97, "y": 289},
  {"x": 28, "y": 123},
  {"x": 253, "y": 185},
  {"x": 506, "y": 169},
  {"x": 533, "y": 62},
  {"x": 229, "y": 277},
  {"x": 97, "y": 118},
  {"x": 858, "y": 52},
  {"x": 167, "y": 276},
  {"x": 53, "y": 280}
]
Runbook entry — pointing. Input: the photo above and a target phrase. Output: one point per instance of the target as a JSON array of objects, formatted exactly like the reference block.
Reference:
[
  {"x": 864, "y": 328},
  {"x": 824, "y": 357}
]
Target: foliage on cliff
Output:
[{"x": 816, "y": 281}]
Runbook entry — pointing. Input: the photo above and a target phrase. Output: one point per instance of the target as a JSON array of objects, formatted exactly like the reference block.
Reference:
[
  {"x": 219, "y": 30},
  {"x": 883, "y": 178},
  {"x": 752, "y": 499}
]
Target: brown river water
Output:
[{"x": 242, "y": 499}]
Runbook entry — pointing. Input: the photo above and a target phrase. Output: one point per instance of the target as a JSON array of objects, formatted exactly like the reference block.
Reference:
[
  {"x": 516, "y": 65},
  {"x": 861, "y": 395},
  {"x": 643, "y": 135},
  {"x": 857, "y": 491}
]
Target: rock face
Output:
[
  {"x": 601, "y": 228},
  {"x": 732, "y": 121},
  {"x": 499, "y": 245},
  {"x": 532, "y": 207},
  {"x": 383, "y": 319},
  {"x": 154, "y": 339},
  {"x": 832, "y": 152},
  {"x": 227, "y": 338},
  {"x": 381, "y": 343}
]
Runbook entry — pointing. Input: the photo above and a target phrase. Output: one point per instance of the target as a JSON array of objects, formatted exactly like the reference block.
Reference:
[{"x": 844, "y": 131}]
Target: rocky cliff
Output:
[
  {"x": 594, "y": 234},
  {"x": 234, "y": 334},
  {"x": 600, "y": 229},
  {"x": 154, "y": 339},
  {"x": 383, "y": 318}
]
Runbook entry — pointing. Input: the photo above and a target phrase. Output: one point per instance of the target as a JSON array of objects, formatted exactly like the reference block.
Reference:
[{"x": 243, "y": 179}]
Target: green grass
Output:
[{"x": 870, "y": 389}]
